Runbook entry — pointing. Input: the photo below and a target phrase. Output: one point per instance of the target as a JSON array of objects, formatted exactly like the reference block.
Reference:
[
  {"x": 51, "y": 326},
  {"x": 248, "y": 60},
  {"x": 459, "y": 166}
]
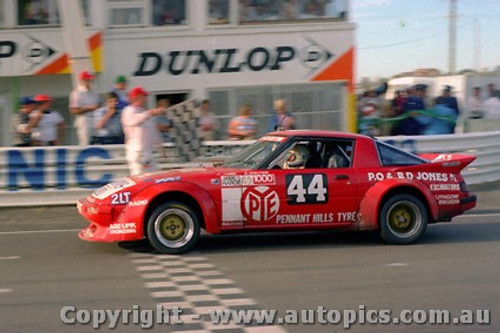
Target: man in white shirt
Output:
[
  {"x": 82, "y": 102},
  {"x": 141, "y": 134},
  {"x": 475, "y": 104},
  {"x": 47, "y": 126}
]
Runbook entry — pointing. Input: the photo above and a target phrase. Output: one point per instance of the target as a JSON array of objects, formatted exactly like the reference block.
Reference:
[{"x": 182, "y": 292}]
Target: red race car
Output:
[{"x": 292, "y": 180}]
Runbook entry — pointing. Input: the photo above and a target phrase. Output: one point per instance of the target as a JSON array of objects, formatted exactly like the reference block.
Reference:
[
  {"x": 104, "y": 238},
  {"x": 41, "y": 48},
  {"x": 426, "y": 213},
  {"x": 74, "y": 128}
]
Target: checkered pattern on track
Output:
[{"x": 196, "y": 286}]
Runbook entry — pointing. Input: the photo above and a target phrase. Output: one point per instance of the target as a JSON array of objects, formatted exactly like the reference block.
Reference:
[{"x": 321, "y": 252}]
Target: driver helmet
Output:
[{"x": 297, "y": 157}]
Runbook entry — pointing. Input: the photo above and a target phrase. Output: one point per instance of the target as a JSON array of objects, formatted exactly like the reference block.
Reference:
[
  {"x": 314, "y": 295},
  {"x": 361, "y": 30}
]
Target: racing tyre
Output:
[
  {"x": 173, "y": 228},
  {"x": 403, "y": 219}
]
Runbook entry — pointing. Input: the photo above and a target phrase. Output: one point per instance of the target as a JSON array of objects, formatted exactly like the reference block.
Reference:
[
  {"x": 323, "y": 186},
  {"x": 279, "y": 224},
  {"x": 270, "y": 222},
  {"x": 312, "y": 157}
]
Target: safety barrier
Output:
[{"x": 60, "y": 175}]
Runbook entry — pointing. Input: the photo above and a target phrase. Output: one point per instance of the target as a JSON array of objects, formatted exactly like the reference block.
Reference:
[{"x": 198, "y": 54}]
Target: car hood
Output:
[{"x": 188, "y": 174}]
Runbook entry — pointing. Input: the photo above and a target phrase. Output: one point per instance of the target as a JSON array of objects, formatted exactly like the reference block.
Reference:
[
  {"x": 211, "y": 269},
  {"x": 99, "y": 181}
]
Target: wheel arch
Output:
[
  {"x": 379, "y": 193},
  {"x": 176, "y": 196},
  {"x": 188, "y": 193}
]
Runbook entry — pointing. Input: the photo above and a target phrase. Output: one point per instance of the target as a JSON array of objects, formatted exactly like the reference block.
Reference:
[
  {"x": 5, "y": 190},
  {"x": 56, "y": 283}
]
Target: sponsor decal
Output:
[
  {"x": 348, "y": 217},
  {"x": 122, "y": 228},
  {"x": 306, "y": 189},
  {"x": 443, "y": 157},
  {"x": 260, "y": 203},
  {"x": 271, "y": 138},
  {"x": 232, "y": 60},
  {"x": 167, "y": 180},
  {"x": 138, "y": 203},
  {"x": 425, "y": 176},
  {"x": 293, "y": 218},
  {"x": 248, "y": 180},
  {"x": 233, "y": 224},
  {"x": 305, "y": 218},
  {"x": 447, "y": 199},
  {"x": 445, "y": 187},
  {"x": 214, "y": 181},
  {"x": 109, "y": 189},
  {"x": 122, "y": 198}
]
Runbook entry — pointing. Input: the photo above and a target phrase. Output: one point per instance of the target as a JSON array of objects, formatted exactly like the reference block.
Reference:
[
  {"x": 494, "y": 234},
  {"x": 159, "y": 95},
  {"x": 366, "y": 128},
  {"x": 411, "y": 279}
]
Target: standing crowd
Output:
[
  {"x": 122, "y": 118},
  {"x": 413, "y": 112}
]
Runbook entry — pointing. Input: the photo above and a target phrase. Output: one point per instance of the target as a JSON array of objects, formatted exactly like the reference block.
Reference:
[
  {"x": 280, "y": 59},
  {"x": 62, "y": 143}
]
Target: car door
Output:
[{"x": 307, "y": 196}]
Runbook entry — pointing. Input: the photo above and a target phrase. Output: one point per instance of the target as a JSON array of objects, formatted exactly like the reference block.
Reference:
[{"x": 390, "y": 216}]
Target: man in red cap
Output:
[
  {"x": 141, "y": 134},
  {"x": 47, "y": 126},
  {"x": 82, "y": 102}
]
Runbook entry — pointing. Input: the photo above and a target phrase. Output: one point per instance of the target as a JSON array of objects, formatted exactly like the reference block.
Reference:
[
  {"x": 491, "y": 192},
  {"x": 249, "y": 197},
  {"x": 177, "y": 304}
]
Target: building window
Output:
[
  {"x": 168, "y": 12},
  {"x": 127, "y": 16},
  {"x": 314, "y": 105},
  {"x": 86, "y": 12},
  {"x": 218, "y": 11},
  {"x": 257, "y": 11},
  {"x": 37, "y": 12},
  {"x": 2, "y": 18},
  {"x": 135, "y": 12}
]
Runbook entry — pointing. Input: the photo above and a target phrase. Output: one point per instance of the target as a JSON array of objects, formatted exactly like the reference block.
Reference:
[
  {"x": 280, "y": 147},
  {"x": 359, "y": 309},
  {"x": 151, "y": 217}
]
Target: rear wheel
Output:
[
  {"x": 173, "y": 228},
  {"x": 403, "y": 219}
]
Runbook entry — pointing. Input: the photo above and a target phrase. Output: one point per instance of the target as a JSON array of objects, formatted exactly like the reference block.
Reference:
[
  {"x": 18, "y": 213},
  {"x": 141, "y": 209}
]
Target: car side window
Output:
[
  {"x": 390, "y": 155},
  {"x": 339, "y": 154},
  {"x": 315, "y": 154}
]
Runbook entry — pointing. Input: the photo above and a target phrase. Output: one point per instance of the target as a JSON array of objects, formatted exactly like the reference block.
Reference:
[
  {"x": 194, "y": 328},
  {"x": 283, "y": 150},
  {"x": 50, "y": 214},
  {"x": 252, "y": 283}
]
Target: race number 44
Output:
[{"x": 306, "y": 189}]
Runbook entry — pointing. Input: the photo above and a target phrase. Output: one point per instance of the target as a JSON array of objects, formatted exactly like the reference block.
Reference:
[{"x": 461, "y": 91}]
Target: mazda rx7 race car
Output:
[{"x": 291, "y": 180}]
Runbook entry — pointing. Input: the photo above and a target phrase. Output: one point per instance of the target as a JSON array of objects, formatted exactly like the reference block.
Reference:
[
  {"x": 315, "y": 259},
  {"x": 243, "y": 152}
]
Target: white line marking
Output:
[
  {"x": 10, "y": 258},
  {"x": 479, "y": 215},
  {"x": 5, "y": 290},
  {"x": 36, "y": 232},
  {"x": 397, "y": 264}
]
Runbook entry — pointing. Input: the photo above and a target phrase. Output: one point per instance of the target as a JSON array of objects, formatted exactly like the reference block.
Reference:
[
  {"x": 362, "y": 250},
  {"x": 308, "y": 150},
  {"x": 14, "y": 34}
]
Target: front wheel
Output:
[
  {"x": 403, "y": 219},
  {"x": 173, "y": 228}
]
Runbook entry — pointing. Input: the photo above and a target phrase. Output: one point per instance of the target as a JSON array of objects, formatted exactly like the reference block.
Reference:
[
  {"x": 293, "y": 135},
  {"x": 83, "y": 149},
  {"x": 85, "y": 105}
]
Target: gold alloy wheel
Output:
[
  {"x": 404, "y": 218},
  {"x": 174, "y": 227}
]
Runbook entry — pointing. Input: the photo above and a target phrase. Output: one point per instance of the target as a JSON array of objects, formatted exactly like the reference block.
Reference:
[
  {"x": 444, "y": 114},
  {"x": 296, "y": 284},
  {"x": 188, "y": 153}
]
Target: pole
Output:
[
  {"x": 477, "y": 45},
  {"x": 452, "y": 52},
  {"x": 75, "y": 38}
]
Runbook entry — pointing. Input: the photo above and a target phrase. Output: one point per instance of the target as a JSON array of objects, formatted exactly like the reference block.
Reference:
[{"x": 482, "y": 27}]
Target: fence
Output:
[{"x": 60, "y": 175}]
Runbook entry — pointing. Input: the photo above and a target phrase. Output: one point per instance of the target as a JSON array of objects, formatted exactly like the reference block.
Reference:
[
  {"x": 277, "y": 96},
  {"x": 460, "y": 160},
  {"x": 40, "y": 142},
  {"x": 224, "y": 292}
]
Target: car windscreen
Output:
[
  {"x": 253, "y": 155},
  {"x": 391, "y": 156}
]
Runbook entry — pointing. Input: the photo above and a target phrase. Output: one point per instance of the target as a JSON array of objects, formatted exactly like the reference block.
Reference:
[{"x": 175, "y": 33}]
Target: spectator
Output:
[
  {"x": 19, "y": 122},
  {"x": 414, "y": 102},
  {"x": 441, "y": 123},
  {"x": 475, "y": 104},
  {"x": 491, "y": 105},
  {"x": 289, "y": 9},
  {"x": 281, "y": 119},
  {"x": 107, "y": 123},
  {"x": 163, "y": 124},
  {"x": 218, "y": 11},
  {"x": 207, "y": 122},
  {"x": 120, "y": 89},
  {"x": 47, "y": 126},
  {"x": 369, "y": 112},
  {"x": 492, "y": 90},
  {"x": 451, "y": 102},
  {"x": 243, "y": 127},
  {"x": 140, "y": 132},
  {"x": 83, "y": 102},
  {"x": 311, "y": 10}
]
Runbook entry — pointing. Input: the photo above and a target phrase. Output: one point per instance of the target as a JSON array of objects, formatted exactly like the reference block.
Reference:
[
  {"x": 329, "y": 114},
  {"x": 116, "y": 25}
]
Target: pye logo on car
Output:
[{"x": 260, "y": 203}]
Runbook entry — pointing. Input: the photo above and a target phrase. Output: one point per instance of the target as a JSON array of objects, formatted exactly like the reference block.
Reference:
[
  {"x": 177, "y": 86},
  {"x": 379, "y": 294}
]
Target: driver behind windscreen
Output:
[{"x": 297, "y": 157}]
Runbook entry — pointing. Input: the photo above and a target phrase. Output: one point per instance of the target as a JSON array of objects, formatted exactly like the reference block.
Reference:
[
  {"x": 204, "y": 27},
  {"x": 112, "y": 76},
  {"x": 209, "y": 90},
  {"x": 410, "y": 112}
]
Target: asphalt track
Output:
[{"x": 456, "y": 266}]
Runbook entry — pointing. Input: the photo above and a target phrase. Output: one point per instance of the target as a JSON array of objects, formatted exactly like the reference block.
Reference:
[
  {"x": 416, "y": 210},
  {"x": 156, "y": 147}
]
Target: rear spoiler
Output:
[{"x": 455, "y": 162}]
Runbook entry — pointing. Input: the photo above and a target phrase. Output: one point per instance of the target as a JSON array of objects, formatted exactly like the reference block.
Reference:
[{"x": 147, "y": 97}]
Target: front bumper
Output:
[{"x": 103, "y": 227}]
